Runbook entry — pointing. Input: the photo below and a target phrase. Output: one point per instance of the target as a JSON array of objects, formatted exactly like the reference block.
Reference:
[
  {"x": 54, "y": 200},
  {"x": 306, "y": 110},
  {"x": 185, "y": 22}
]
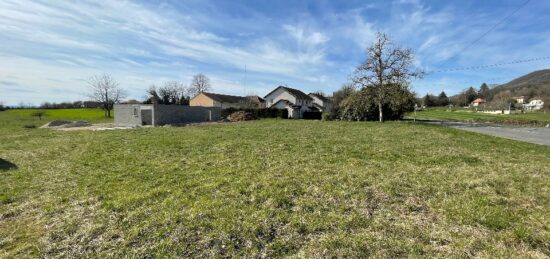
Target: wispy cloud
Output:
[{"x": 141, "y": 43}]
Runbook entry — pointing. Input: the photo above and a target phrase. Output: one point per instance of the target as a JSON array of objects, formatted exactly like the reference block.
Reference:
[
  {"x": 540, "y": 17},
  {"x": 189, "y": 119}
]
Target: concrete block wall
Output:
[
  {"x": 124, "y": 115},
  {"x": 165, "y": 114}
]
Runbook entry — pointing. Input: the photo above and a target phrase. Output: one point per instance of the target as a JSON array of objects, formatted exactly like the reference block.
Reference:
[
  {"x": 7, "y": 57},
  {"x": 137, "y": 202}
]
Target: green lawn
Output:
[
  {"x": 19, "y": 117},
  {"x": 531, "y": 118},
  {"x": 272, "y": 188}
]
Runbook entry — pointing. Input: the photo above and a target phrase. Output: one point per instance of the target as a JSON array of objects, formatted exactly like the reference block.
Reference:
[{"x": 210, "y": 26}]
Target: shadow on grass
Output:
[{"x": 6, "y": 165}]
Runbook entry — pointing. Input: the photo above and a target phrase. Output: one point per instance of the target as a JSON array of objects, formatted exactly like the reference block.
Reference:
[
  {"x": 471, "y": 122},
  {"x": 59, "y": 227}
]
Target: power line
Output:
[
  {"x": 488, "y": 31},
  {"x": 488, "y": 66}
]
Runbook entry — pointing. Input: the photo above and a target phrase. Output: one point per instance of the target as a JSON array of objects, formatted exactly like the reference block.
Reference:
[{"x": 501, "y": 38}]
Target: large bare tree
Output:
[
  {"x": 104, "y": 90},
  {"x": 386, "y": 69},
  {"x": 199, "y": 84}
]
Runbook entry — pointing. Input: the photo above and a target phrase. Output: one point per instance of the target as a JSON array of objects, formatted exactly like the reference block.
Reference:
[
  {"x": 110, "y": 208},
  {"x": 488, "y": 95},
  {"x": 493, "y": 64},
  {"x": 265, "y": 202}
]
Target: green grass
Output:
[
  {"x": 531, "y": 118},
  {"x": 273, "y": 188},
  {"x": 20, "y": 117}
]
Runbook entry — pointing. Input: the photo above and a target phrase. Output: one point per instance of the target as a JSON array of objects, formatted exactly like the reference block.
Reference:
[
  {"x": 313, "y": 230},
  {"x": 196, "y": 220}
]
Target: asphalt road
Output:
[{"x": 539, "y": 136}]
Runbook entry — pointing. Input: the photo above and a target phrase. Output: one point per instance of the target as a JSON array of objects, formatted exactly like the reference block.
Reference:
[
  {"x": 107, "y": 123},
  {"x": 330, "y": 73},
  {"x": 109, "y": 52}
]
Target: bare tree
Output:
[
  {"x": 199, "y": 84},
  {"x": 152, "y": 96},
  {"x": 386, "y": 69},
  {"x": 38, "y": 114},
  {"x": 171, "y": 92},
  {"x": 104, "y": 89},
  {"x": 320, "y": 93},
  {"x": 177, "y": 92}
]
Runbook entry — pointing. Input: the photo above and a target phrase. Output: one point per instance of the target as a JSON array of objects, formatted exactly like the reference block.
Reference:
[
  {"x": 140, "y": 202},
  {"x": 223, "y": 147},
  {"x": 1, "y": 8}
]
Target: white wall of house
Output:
[
  {"x": 279, "y": 94},
  {"x": 282, "y": 94},
  {"x": 535, "y": 104},
  {"x": 327, "y": 106}
]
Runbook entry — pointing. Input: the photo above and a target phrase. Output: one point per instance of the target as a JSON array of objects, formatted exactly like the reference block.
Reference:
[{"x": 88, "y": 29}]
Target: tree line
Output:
[{"x": 175, "y": 92}]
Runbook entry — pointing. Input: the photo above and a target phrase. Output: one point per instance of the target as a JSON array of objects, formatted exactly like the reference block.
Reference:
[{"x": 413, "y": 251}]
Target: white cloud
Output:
[{"x": 124, "y": 37}]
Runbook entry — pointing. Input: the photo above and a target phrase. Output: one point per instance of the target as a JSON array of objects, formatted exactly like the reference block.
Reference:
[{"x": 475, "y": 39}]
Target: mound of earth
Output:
[
  {"x": 55, "y": 123},
  {"x": 76, "y": 124},
  {"x": 241, "y": 116},
  {"x": 60, "y": 124}
]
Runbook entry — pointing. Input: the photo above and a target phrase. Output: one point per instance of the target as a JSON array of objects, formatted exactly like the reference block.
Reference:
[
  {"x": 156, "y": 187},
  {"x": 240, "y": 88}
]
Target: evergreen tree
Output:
[
  {"x": 442, "y": 99},
  {"x": 485, "y": 92},
  {"x": 470, "y": 95},
  {"x": 428, "y": 101}
]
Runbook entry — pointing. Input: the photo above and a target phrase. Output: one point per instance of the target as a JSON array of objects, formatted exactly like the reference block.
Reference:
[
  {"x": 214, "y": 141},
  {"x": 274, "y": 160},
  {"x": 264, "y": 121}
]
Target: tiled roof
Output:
[
  {"x": 295, "y": 92},
  {"x": 322, "y": 98},
  {"x": 223, "y": 98},
  {"x": 478, "y": 100},
  {"x": 287, "y": 102},
  {"x": 255, "y": 99}
]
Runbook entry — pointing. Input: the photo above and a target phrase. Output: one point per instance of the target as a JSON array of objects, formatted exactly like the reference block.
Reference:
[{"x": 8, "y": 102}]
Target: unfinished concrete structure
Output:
[{"x": 132, "y": 115}]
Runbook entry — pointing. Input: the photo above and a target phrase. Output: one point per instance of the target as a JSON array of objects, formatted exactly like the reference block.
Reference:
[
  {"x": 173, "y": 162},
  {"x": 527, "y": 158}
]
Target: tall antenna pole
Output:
[{"x": 244, "y": 87}]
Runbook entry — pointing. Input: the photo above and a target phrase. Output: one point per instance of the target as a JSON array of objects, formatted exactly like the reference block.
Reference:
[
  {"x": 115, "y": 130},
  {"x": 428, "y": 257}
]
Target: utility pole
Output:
[{"x": 244, "y": 86}]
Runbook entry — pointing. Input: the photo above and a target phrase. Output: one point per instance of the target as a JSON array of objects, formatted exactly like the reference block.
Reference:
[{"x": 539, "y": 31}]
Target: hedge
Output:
[{"x": 258, "y": 112}]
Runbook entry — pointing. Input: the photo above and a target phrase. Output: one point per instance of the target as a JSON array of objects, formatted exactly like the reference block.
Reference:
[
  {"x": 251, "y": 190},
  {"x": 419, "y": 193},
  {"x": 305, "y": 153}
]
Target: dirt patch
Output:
[
  {"x": 80, "y": 125},
  {"x": 66, "y": 124},
  {"x": 55, "y": 123},
  {"x": 241, "y": 116}
]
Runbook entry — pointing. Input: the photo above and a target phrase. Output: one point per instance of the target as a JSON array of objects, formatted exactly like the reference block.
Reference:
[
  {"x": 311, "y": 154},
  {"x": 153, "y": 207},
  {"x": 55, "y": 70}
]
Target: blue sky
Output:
[{"x": 49, "y": 48}]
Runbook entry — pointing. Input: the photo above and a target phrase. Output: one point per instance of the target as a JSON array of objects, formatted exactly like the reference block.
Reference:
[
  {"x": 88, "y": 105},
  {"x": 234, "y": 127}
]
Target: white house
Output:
[
  {"x": 322, "y": 103},
  {"x": 534, "y": 104},
  {"x": 520, "y": 99},
  {"x": 294, "y": 100},
  {"x": 478, "y": 102}
]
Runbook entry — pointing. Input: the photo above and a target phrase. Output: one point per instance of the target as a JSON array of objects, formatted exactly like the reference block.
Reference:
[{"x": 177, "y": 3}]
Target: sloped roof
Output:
[
  {"x": 287, "y": 102},
  {"x": 255, "y": 99},
  {"x": 478, "y": 100},
  {"x": 295, "y": 92},
  {"x": 223, "y": 98},
  {"x": 322, "y": 98}
]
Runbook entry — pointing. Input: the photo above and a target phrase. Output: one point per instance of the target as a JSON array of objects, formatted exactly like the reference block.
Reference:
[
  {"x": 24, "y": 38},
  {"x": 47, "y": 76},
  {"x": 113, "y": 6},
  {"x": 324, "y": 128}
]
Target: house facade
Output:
[
  {"x": 478, "y": 102},
  {"x": 534, "y": 105},
  {"x": 293, "y": 100},
  {"x": 520, "y": 99},
  {"x": 224, "y": 101},
  {"x": 322, "y": 103}
]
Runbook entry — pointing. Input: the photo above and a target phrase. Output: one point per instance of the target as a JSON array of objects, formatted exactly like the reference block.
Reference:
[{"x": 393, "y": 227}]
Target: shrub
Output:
[
  {"x": 259, "y": 113},
  {"x": 360, "y": 106},
  {"x": 312, "y": 115},
  {"x": 39, "y": 114},
  {"x": 327, "y": 116}
]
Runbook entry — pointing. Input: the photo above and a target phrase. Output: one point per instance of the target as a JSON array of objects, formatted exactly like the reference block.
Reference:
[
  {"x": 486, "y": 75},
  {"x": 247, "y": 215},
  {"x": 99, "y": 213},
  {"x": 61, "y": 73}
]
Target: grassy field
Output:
[
  {"x": 16, "y": 118},
  {"x": 272, "y": 188},
  {"x": 530, "y": 118}
]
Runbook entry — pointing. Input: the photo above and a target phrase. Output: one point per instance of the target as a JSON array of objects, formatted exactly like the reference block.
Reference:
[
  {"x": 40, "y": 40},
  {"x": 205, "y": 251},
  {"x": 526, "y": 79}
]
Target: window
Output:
[{"x": 135, "y": 111}]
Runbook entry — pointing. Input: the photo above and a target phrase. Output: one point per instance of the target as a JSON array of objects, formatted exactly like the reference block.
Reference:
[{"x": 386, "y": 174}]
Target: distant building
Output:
[
  {"x": 293, "y": 100},
  {"x": 477, "y": 102},
  {"x": 534, "y": 105},
  {"x": 520, "y": 99},
  {"x": 256, "y": 101},
  {"x": 222, "y": 101},
  {"x": 322, "y": 103}
]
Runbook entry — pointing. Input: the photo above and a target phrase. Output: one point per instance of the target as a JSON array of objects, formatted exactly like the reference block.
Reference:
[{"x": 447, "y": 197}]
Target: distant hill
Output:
[
  {"x": 535, "y": 84},
  {"x": 532, "y": 85}
]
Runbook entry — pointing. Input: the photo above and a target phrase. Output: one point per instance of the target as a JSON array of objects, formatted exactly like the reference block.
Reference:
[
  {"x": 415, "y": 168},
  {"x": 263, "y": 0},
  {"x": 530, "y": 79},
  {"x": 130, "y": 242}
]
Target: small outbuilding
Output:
[
  {"x": 132, "y": 115},
  {"x": 478, "y": 102}
]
